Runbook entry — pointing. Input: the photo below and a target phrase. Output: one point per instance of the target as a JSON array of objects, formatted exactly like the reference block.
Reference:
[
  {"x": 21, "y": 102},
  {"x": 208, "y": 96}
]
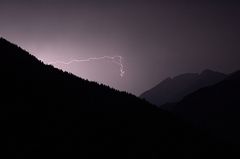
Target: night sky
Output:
[{"x": 156, "y": 39}]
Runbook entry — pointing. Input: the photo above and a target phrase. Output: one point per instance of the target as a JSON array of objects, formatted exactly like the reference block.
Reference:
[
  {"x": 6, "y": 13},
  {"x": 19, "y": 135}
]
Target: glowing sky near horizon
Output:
[
  {"x": 157, "y": 38},
  {"x": 114, "y": 59}
]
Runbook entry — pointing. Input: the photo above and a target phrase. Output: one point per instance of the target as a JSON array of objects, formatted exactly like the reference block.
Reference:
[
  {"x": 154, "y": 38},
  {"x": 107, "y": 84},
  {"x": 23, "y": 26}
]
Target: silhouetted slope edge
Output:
[
  {"x": 48, "y": 112},
  {"x": 174, "y": 89},
  {"x": 26, "y": 68}
]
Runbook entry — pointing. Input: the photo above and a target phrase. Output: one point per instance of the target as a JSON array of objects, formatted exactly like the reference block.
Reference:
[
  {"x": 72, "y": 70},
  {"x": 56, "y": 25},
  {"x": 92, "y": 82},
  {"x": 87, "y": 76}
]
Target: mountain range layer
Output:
[
  {"x": 173, "y": 90},
  {"x": 47, "y": 112}
]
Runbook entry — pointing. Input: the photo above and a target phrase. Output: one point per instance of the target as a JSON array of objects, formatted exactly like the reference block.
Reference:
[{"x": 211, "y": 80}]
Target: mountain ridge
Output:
[
  {"x": 172, "y": 90},
  {"x": 215, "y": 108},
  {"x": 49, "y": 112}
]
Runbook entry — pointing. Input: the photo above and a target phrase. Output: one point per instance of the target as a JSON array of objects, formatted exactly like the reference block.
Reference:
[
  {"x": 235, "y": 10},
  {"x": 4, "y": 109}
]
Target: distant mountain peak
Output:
[
  {"x": 209, "y": 72},
  {"x": 167, "y": 80},
  {"x": 174, "y": 89},
  {"x": 185, "y": 75}
]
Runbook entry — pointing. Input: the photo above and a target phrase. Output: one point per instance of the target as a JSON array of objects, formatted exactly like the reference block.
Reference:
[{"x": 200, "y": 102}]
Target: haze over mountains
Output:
[
  {"x": 48, "y": 112},
  {"x": 173, "y": 90}
]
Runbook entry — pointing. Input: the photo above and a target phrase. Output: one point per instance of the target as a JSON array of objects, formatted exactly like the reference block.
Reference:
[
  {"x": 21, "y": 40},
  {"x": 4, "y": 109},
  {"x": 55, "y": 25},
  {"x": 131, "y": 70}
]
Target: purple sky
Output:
[{"x": 157, "y": 39}]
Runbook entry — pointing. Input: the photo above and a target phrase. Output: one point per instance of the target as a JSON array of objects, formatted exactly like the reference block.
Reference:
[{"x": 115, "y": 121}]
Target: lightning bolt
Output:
[{"x": 115, "y": 59}]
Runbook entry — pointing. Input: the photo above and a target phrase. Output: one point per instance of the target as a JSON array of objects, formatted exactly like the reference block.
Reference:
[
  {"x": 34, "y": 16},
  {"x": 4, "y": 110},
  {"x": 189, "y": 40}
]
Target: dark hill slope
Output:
[
  {"x": 174, "y": 89},
  {"x": 48, "y": 113},
  {"x": 31, "y": 78},
  {"x": 215, "y": 108}
]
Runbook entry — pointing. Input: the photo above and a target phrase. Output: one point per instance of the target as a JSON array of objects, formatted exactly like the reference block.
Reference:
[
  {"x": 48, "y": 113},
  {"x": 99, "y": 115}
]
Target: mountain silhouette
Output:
[
  {"x": 215, "y": 108},
  {"x": 47, "y": 112},
  {"x": 172, "y": 90}
]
